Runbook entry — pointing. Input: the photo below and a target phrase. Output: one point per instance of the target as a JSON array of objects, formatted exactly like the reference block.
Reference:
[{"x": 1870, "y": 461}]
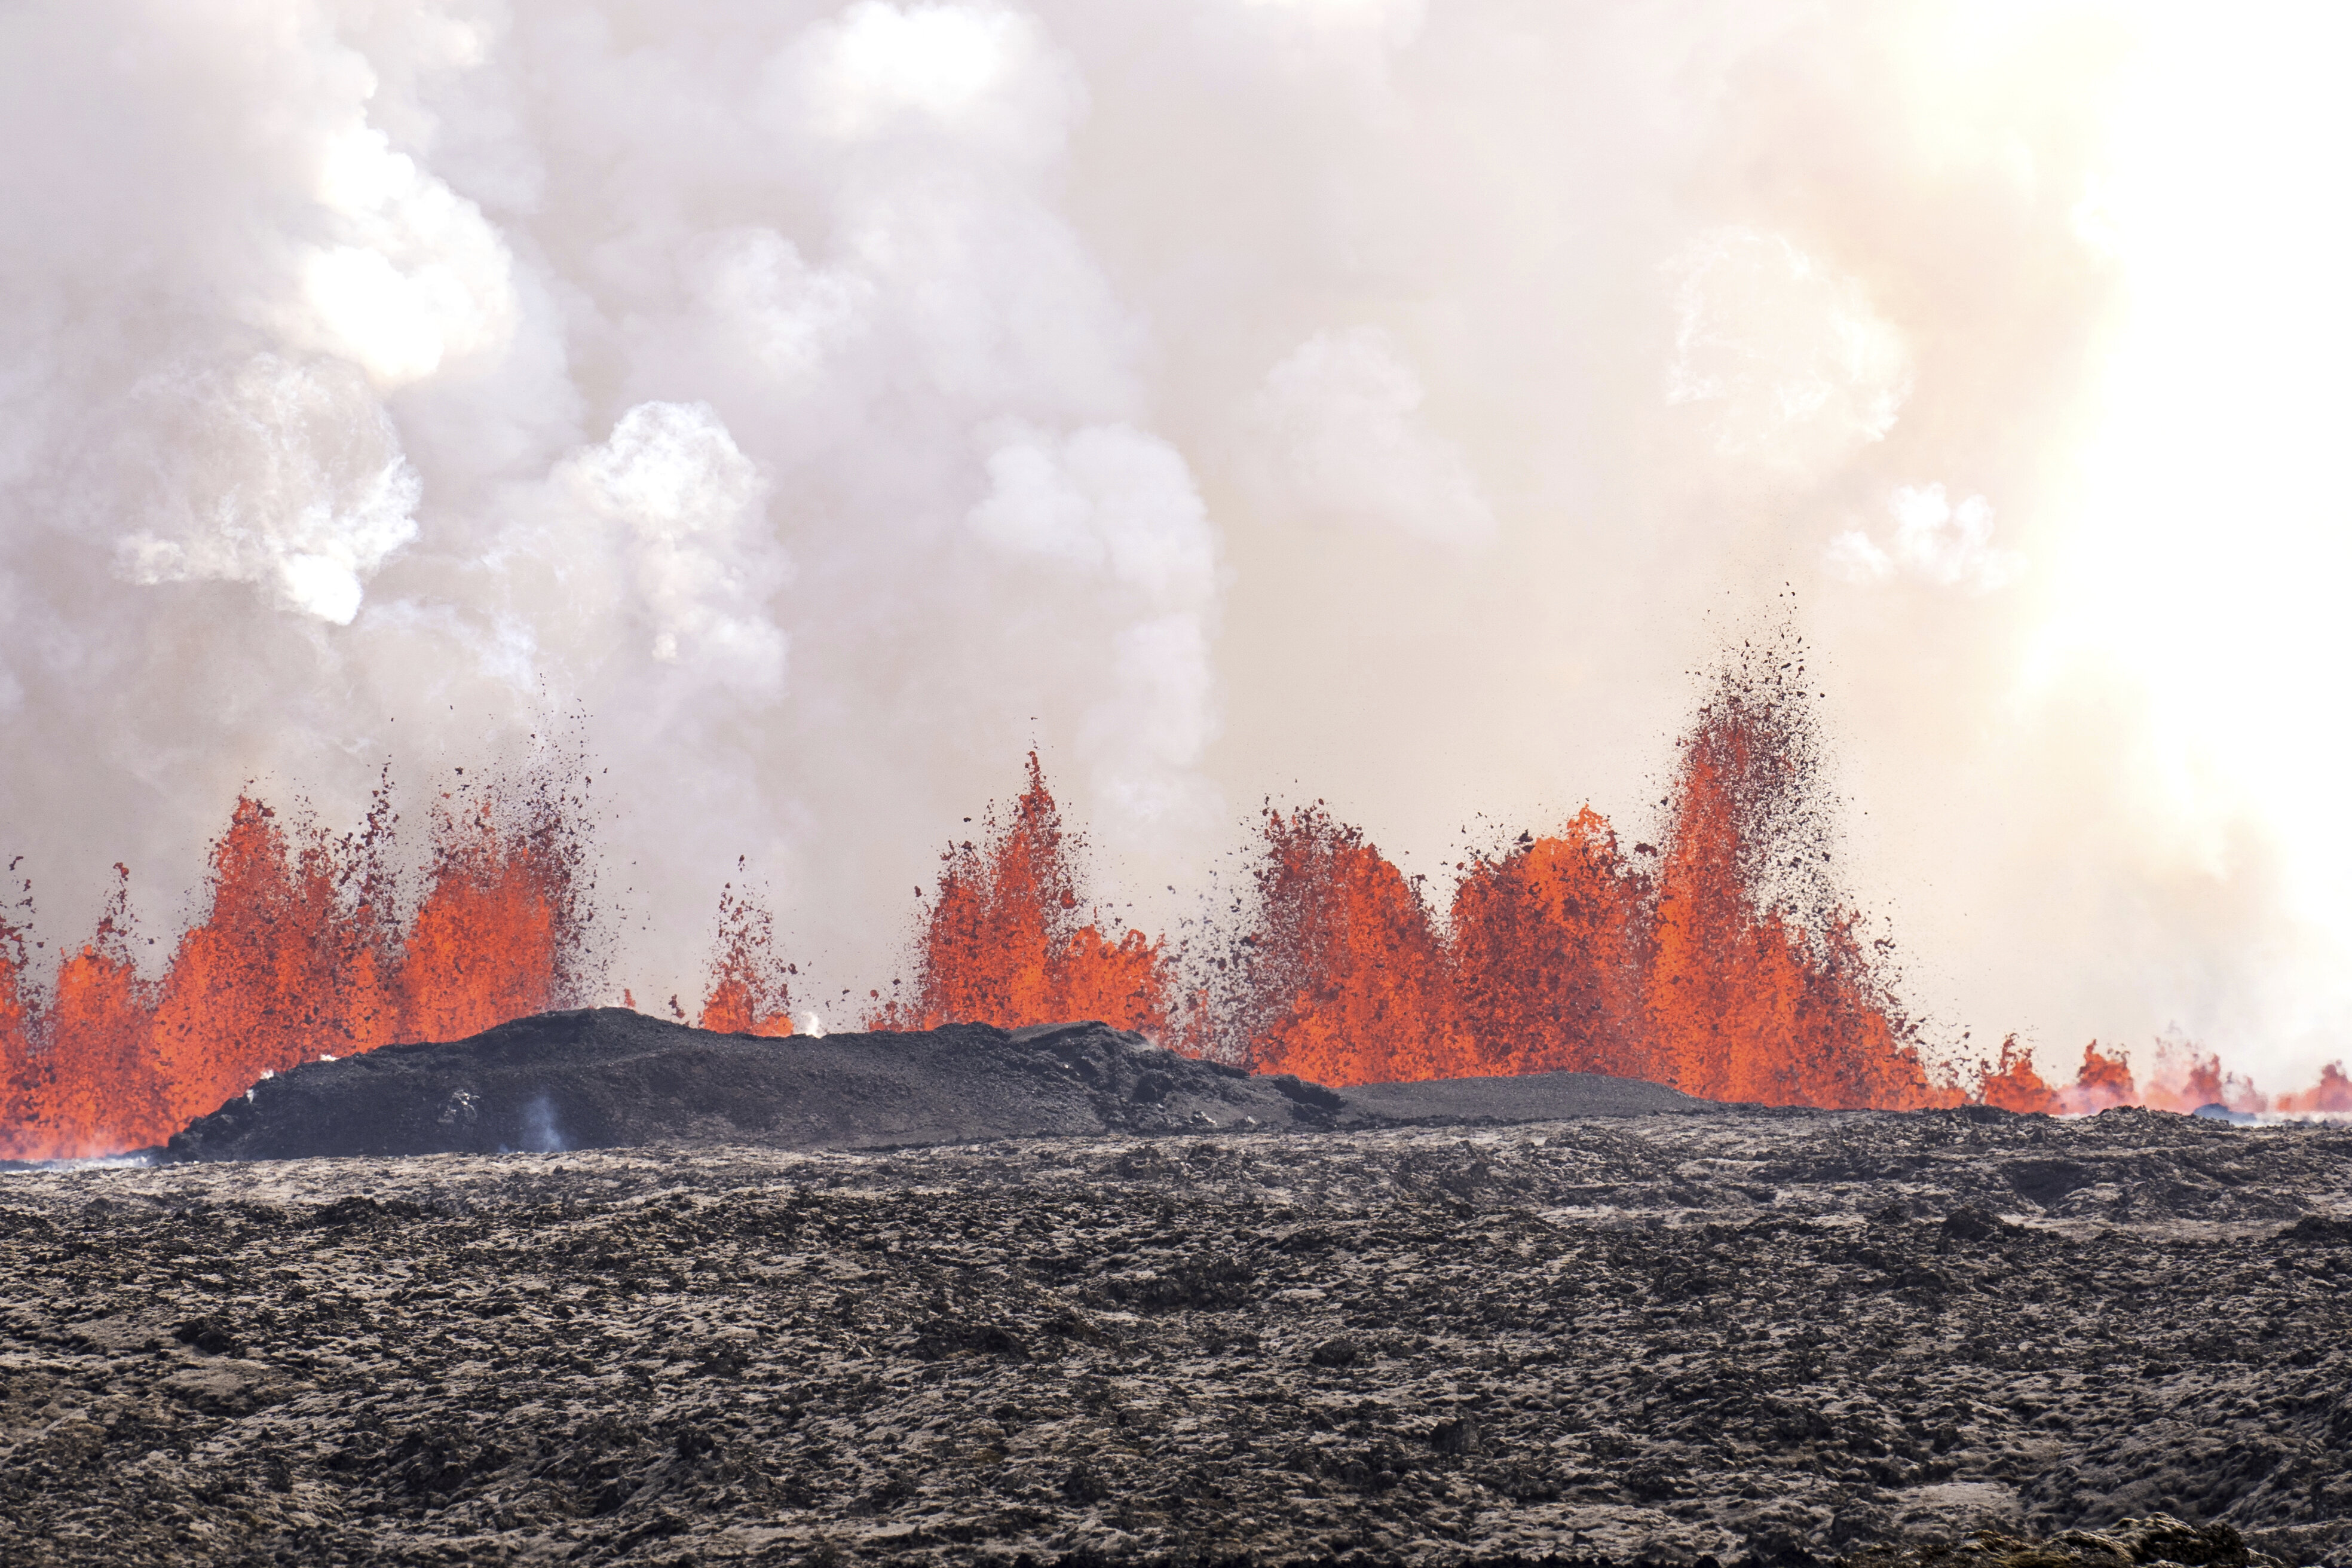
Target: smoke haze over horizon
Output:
[{"x": 812, "y": 406}]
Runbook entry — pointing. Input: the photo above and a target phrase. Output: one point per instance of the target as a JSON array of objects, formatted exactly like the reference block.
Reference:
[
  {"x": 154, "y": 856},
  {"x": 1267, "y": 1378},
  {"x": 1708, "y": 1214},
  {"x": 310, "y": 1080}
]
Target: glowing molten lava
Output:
[
  {"x": 1757, "y": 989},
  {"x": 1560, "y": 956},
  {"x": 1343, "y": 979},
  {"x": 1548, "y": 947},
  {"x": 750, "y": 985},
  {"x": 1720, "y": 962},
  {"x": 298, "y": 955},
  {"x": 2011, "y": 1084},
  {"x": 1003, "y": 943},
  {"x": 2332, "y": 1092}
]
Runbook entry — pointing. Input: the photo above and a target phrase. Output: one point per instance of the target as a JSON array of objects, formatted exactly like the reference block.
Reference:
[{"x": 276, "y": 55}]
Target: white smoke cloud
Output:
[
  {"x": 1934, "y": 541},
  {"x": 283, "y": 475},
  {"x": 1113, "y": 504},
  {"x": 419, "y": 280},
  {"x": 1336, "y": 435},
  {"x": 1338, "y": 24},
  {"x": 974, "y": 70},
  {"x": 1110, "y": 501},
  {"x": 1788, "y": 356},
  {"x": 682, "y": 511},
  {"x": 754, "y": 286},
  {"x": 830, "y": 401}
]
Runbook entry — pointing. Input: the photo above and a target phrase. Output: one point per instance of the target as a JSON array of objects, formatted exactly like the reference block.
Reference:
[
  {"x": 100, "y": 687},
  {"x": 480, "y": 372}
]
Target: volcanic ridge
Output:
[{"x": 609, "y": 1077}]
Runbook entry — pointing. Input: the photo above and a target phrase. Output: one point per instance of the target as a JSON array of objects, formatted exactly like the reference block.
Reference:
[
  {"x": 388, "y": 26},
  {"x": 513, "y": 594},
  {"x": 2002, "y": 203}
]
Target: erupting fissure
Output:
[
  {"x": 1003, "y": 943},
  {"x": 751, "y": 984},
  {"x": 300, "y": 954},
  {"x": 1720, "y": 962}
]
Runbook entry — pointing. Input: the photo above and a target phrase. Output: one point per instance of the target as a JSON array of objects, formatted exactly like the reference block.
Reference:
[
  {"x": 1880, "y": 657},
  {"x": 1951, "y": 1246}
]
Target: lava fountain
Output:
[
  {"x": 1721, "y": 961},
  {"x": 299, "y": 953}
]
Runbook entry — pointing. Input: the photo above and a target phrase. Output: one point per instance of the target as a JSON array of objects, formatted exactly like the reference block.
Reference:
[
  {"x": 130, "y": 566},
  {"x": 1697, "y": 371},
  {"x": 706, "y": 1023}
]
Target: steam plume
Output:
[{"x": 1344, "y": 398}]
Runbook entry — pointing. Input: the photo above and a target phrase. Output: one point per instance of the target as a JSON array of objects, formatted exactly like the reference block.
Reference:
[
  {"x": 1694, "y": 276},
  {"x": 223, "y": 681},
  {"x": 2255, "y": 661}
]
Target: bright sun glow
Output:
[{"x": 2208, "y": 564}]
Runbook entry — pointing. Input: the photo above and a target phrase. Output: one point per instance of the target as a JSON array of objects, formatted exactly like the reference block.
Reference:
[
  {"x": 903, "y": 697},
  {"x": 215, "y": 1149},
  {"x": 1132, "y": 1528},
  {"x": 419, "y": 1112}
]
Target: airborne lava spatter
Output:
[
  {"x": 1003, "y": 942},
  {"x": 1728, "y": 971},
  {"x": 1720, "y": 962},
  {"x": 2011, "y": 1083},
  {"x": 2332, "y": 1092},
  {"x": 1547, "y": 945},
  {"x": 1342, "y": 978},
  {"x": 298, "y": 955},
  {"x": 751, "y": 984},
  {"x": 1757, "y": 987}
]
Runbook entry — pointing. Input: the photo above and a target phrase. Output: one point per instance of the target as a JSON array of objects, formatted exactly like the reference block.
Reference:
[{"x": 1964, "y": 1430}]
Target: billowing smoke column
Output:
[
  {"x": 729, "y": 379},
  {"x": 820, "y": 404}
]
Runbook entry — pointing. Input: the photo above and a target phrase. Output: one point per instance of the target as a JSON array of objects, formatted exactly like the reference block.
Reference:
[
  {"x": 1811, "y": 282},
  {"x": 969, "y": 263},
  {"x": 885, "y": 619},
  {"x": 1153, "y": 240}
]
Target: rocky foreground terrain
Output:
[{"x": 1775, "y": 1337}]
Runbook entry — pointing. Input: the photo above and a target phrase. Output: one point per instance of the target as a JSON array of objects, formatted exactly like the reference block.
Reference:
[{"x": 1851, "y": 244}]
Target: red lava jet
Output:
[
  {"x": 1003, "y": 942},
  {"x": 1715, "y": 971},
  {"x": 1720, "y": 962},
  {"x": 299, "y": 955},
  {"x": 751, "y": 984}
]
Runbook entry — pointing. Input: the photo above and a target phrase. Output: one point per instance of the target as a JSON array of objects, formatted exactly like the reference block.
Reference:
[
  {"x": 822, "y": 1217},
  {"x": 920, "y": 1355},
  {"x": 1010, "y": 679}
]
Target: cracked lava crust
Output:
[{"x": 1768, "y": 1335}]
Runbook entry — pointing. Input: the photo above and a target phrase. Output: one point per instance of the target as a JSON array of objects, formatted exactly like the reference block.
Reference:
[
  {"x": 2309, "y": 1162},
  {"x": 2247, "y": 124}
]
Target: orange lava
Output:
[
  {"x": 1719, "y": 961},
  {"x": 278, "y": 972},
  {"x": 1546, "y": 950},
  {"x": 1343, "y": 979},
  {"x": 751, "y": 984},
  {"x": 491, "y": 939},
  {"x": 1748, "y": 1001},
  {"x": 298, "y": 955},
  {"x": 2105, "y": 1079},
  {"x": 1003, "y": 944},
  {"x": 2195, "y": 1082},
  {"x": 1562, "y": 955},
  {"x": 96, "y": 1082},
  {"x": 2332, "y": 1092},
  {"x": 17, "y": 1047},
  {"x": 2011, "y": 1084},
  {"x": 2183, "y": 1079}
]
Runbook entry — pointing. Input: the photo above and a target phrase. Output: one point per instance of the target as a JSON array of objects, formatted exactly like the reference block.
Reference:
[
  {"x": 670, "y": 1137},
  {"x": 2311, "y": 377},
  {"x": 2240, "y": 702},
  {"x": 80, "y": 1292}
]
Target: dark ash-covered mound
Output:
[{"x": 606, "y": 1077}]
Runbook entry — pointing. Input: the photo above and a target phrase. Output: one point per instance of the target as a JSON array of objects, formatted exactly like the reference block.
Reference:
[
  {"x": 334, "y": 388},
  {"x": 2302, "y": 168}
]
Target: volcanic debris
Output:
[{"x": 1946, "y": 1338}]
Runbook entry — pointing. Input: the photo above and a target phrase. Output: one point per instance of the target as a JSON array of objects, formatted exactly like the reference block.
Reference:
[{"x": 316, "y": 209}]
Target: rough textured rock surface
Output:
[
  {"x": 1765, "y": 1336},
  {"x": 2132, "y": 1543},
  {"x": 606, "y": 1077}
]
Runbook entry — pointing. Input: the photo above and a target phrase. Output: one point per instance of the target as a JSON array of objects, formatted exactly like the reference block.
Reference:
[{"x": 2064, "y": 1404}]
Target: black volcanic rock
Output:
[
  {"x": 606, "y": 1077},
  {"x": 2131, "y": 1543},
  {"x": 1772, "y": 1338}
]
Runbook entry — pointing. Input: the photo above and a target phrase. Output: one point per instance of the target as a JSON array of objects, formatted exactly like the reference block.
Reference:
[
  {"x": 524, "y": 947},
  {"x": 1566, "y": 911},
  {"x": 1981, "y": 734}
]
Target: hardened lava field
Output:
[{"x": 1777, "y": 1336}]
